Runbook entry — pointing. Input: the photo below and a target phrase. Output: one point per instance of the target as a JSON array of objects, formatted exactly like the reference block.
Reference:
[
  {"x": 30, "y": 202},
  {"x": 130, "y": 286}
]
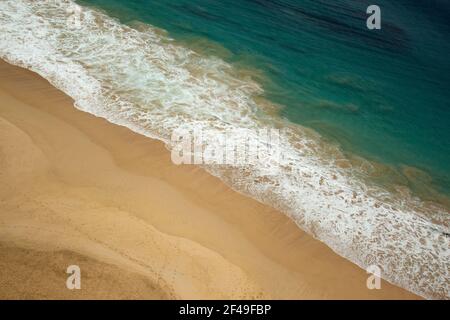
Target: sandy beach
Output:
[{"x": 77, "y": 190}]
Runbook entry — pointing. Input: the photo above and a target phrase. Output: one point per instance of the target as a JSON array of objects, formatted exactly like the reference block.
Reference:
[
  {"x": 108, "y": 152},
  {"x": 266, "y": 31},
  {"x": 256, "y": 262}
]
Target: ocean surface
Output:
[{"x": 365, "y": 114}]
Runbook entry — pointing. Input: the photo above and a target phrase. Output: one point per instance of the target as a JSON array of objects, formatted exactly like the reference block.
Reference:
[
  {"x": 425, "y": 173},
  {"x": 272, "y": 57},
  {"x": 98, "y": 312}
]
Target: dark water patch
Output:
[
  {"x": 348, "y": 81},
  {"x": 337, "y": 107},
  {"x": 200, "y": 12},
  {"x": 349, "y": 28}
]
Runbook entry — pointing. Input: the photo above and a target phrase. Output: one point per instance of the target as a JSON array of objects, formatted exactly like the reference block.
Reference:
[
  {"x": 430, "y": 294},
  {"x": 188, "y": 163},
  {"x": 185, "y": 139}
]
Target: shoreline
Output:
[{"x": 93, "y": 191}]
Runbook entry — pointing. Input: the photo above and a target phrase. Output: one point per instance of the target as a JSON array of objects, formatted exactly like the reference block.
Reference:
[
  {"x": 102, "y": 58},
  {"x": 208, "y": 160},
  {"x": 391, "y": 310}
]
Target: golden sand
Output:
[{"x": 77, "y": 190}]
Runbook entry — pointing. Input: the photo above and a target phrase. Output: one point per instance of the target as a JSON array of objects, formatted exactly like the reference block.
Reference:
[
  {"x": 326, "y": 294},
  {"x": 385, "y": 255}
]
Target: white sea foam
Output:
[{"x": 152, "y": 85}]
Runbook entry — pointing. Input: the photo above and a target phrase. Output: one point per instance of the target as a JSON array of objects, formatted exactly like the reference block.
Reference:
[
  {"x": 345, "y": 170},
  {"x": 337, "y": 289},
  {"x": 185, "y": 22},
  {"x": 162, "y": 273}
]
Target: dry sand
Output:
[{"x": 77, "y": 190}]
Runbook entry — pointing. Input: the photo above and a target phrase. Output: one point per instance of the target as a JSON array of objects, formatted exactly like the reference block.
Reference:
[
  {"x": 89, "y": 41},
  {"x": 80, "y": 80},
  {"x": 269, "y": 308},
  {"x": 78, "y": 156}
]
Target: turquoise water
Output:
[{"x": 381, "y": 94}]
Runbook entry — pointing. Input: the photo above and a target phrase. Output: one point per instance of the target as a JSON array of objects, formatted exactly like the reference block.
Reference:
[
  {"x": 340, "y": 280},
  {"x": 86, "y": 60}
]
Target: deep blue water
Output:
[{"x": 383, "y": 94}]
